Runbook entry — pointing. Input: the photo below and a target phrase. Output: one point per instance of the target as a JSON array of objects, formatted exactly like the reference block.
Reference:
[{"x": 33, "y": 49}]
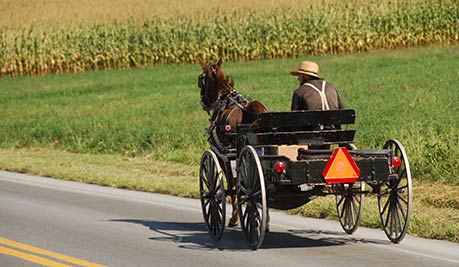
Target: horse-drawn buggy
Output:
[{"x": 283, "y": 160}]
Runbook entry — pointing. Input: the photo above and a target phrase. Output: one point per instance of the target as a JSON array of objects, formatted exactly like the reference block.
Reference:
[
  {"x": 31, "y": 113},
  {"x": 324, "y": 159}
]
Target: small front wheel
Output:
[
  {"x": 212, "y": 194},
  {"x": 349, "y": 205}
]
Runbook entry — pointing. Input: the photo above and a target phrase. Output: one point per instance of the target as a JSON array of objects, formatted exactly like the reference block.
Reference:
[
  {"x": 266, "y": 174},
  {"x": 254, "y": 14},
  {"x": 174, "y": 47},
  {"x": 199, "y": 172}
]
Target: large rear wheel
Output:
[
  {"x": 212, "y": 194},
  {"x": 251, "y": 197},
  {"x": 395, "y": 196}
]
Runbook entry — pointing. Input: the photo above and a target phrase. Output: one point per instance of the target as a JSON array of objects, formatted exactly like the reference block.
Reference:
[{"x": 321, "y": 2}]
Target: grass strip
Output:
[{"x": 144, "y": 174}]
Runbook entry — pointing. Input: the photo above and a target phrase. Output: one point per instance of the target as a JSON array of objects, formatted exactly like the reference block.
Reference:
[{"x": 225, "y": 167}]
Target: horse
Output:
[{"x": 227, "y": 108}]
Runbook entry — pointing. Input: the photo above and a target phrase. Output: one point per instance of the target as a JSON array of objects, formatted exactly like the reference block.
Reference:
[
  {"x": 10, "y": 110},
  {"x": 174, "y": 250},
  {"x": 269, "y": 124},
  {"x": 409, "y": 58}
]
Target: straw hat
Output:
[{"x": 307, "y": 67}]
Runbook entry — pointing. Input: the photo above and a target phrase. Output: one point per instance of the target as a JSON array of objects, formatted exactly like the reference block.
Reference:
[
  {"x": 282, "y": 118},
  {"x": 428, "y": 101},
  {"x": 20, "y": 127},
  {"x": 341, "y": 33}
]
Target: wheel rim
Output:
[
  {"x": 251, "y": 196},
  {"x": 349, "y": 205},
  {"x": 395, "y": 196},
  {"x": 212, "y": 194}
]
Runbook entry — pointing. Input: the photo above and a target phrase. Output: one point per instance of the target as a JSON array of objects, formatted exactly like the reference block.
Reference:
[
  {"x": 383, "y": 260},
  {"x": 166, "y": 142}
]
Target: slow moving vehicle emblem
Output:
[{"x": 341, "y": 168}]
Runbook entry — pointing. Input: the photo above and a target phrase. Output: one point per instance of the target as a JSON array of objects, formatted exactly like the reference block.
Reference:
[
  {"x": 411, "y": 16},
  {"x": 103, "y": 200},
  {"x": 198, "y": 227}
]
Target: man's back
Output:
[{"x": 309, "y": 96}]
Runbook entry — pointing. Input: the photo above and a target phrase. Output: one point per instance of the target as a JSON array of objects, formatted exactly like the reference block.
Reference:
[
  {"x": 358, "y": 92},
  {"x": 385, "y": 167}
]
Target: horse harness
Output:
[{"x": 225, "y": 100}]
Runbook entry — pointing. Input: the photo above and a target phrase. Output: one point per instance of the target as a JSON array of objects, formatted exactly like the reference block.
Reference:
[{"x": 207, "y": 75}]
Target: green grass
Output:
[
  {"x": 410, "y": 95},
  {"x": 145, "y": 174},
  {"x": 141, "y": 174},
  {"x": 143, "y": 129}
]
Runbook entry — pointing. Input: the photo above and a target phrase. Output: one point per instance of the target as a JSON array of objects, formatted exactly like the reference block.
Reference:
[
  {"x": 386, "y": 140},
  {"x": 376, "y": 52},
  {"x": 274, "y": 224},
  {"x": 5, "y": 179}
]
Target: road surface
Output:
[{"x": 48, "y": 222}]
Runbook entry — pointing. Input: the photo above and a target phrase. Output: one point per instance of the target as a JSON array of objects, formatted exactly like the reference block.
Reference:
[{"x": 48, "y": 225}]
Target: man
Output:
[{"x": 314, "y": 93}]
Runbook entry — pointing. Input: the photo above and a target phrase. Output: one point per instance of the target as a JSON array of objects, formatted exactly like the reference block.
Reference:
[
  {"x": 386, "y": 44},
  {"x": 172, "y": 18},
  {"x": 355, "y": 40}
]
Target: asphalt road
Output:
[{"x": 47, "y": 222}]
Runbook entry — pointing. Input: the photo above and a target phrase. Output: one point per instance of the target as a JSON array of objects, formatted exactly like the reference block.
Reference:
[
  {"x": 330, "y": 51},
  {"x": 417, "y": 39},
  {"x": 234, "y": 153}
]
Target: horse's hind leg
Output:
[{"x": 234, "y": 221}]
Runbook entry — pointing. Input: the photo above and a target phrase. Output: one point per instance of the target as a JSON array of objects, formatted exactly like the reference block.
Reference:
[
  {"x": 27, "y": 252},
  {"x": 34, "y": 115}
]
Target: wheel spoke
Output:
[
  {"x": 402, "y": 187},
  {"x": 387, "y": 191},
  {"x": 255, "y": 211},
  {"x": 210, "y": 215},
  {"x": 401, "y": 170},
  {"x": 254, "y": 224},
  {"x": 253, "y": 237},
  {"x": 207, "y": 216},
  {"x": 244, "y": 176},
  {"x": 402, "y": 198},
  {"x": 256, "y": 195},
  {"x": 242, "y": 200},
  {"x": 357, "y": 199},
  {"x": 391, "y": 220},
  {"x": 396, "y": 220},
  {"x": 355, "y": 208},
  {"x": 205, "y": 175},
  {"x": 206, "y": 183},
  {"x": 219, "y": 218},
  {"x": 401, "y": 208},
  {"x": 246, "y": 212},
  {"x": 210, "y": 177},
  {"x": 218, "y": 183},
  {"x": 387, "y": 216},
  {"x": 402, "y": 175},
  {"x": 244, "y": 190},
  {"x": 340, "y": 201},
  {"x": 347, "y": 204},
  {"x": 343, "y": 211},
  {"x": 351, "y": 214},
  {"x": 206, "y": 203},
  {"x": 385, "y": 206},
  {"x": 254, "y": 177},
  {"x": 399, "y": 218},
  {"x": 212, "y": 171},
  {"x": 219, "y": 209}
]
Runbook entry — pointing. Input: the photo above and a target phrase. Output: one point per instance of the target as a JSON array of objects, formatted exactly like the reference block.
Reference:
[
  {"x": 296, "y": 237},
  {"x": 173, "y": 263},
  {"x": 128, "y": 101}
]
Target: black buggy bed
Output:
[{"x": 316, "y": 130}]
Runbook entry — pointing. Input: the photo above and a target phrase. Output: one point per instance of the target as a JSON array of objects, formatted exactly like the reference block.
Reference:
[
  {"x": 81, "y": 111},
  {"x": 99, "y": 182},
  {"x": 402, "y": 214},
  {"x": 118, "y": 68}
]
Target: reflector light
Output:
[
  {"x": 279, "y": 167},
  {"x": 341, "y": 168},
  {"x": 228, "y": 128},
  {"x": 396, "y": 162}
]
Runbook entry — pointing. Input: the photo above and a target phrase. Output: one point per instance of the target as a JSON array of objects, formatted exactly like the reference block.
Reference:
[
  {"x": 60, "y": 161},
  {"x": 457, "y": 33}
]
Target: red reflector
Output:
[
  {"x": 279, "y": 167},
  {"x": 228, "y": 128},
  {"x": 396, "y": 162}
]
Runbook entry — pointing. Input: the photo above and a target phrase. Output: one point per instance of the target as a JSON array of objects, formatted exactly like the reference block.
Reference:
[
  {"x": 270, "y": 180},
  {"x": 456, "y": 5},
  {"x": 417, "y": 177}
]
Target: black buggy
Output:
[{"x": 285, "y": 159}]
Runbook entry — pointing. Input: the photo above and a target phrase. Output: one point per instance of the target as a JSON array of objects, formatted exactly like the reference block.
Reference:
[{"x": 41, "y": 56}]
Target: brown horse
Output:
[{"x": 226, "y": 107}]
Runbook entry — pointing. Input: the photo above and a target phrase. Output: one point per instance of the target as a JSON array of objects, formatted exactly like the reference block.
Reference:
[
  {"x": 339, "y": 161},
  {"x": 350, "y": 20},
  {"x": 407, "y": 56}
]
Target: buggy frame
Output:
[{"x": 279, "y": 162}]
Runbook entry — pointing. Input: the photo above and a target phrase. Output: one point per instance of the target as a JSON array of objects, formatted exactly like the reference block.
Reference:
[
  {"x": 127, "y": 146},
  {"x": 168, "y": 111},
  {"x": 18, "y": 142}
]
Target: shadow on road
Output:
[{"x": 193, "y": 235}]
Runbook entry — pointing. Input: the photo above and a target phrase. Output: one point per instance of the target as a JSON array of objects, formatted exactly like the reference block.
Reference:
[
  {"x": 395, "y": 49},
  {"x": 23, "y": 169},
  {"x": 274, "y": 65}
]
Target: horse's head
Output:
[{"x": 212, "y": 83}]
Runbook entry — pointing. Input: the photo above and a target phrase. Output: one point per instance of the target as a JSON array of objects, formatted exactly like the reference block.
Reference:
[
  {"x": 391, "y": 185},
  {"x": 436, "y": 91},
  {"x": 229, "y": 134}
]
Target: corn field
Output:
[{"x": 281, "y": 32}]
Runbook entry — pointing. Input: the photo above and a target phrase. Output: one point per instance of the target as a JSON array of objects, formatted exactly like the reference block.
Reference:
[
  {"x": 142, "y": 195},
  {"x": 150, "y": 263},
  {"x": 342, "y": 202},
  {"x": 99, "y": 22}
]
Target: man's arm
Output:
[
  {"x": 296, "y": 102},
  {"x": 340, "y": 102}
]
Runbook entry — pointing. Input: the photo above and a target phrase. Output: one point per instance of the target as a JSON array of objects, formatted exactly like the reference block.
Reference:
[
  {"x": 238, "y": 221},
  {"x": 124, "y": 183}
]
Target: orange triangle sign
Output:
[{"x": 341, "y": 168}]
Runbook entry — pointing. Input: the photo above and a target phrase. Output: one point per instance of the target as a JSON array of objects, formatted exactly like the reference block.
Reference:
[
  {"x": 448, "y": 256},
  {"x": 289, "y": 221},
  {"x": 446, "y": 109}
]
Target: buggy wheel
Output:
[
  {"x": 251, "y": 197},
  {"x": 394, "y": 198},
  {"x": 349, "y": 205},
  {"x": 212, "y": 194}
]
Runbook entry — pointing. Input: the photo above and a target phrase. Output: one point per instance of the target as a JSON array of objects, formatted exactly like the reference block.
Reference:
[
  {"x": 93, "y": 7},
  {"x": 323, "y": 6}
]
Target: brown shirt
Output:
[{"x": 308, "y": 98}]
